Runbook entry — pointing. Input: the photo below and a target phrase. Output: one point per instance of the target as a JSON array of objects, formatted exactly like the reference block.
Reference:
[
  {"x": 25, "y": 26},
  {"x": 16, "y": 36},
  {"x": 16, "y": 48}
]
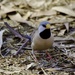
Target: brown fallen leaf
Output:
[
  {"x": 60, "y": 19},
  {"x": 67, "y": 26},
  {"x": 72, "y": 5},
  {"x": 28, "y": 14},
  {"x": 15, "y": 70},
  {"x": 9, "y": 72},
  {"x": 53, "y": 69},
  {"x": 30, "y": 65},
  {"x": 43, "y": 19},
  {"x": 43, "y": 13},
  {"x": 4, "y": 10},
  {"x": 35, "y": 3},
  {"x": 62, "y": 32},
  {"x": 64, "y": 10},
  {"x": 17, "y": 17},
  {"x": 71, "y": 35}
]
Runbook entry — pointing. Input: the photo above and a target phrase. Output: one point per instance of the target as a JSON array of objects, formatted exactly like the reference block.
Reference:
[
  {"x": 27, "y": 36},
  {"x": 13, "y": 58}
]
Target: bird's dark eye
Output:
[{"x": 44, "y": 25}]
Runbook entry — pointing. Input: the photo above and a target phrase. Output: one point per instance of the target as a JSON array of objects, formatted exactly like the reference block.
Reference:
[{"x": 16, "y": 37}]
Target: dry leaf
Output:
[
  {"x": 16, "y": 17},
  {"x": 53, "y": 69},
  {"x": 27, "y": 15},
  {"x": 63, "y": 38},
  {"x": 64, "y": 10},
  {"x": 60, "y": 19},
  {"x": 19, "y": 18},
  {"x": 19, "y": 2},
  {"x": 72, "y": 5},
  {"x": 1, "y": 37},
  {"x": 67, "y": 26},
  {"x": 72, "y": 55},
  {"x": 61, "y": 33},
  {"x": 35, "y": 3},
  {"x": 59, "y": 39},
  {"x": 4, "y": 10},
  {"x": 71, "y": 35},
  {"x": 30, "y": 65},
  {"x": 43, "y": 13},
  {"x": 13, "y": 52},
  {"x": 8, "y": 72},
  {"x": 43, "y": 19}
]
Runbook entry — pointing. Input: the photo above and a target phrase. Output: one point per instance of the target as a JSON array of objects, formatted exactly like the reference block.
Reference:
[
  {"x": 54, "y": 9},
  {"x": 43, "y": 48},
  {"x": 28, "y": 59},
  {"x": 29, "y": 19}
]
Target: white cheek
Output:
[{"x": 40, "y": 29}]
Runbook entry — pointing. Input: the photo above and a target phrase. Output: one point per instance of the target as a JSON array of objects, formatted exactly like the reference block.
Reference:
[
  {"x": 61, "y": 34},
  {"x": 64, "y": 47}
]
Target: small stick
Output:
[
  {"x": 13, "y": 31},
  {"x": 24, "y": 44}
]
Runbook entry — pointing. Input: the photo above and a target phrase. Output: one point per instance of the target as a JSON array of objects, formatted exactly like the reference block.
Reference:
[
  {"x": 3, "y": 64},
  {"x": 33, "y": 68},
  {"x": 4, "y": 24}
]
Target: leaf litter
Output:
[{"x": 23, "y": 17}]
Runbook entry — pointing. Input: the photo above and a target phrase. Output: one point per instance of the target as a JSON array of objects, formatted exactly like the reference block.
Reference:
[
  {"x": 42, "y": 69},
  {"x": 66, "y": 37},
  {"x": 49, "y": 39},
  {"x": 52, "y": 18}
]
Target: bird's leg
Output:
[
  {"x": 34, "y": 57},
  {"x": 49, "y": 56}
]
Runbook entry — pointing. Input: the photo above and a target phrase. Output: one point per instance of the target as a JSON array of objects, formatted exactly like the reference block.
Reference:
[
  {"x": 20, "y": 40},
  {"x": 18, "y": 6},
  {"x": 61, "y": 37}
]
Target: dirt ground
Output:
[{"x": 23, "y": 17}]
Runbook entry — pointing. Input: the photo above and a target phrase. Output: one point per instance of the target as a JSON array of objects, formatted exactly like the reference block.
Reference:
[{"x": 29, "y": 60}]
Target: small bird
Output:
[{"x": 42, "y": 38}]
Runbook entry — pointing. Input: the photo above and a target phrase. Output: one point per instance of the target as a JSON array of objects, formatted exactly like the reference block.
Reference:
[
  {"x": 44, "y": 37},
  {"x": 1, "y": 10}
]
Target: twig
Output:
[
  {"x": 19, "y": 35},
  {"x": 13, "y": 31},
  {"x": 65, "y": 69},
  {"x": 44, "y": 71},
  {"x": 24, "y": 44},
  {"x": 16, "y": 33}
]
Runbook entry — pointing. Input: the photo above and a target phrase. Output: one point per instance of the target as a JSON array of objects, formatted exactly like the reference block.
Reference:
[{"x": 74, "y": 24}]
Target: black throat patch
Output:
[{"x": 45, "y": 34}]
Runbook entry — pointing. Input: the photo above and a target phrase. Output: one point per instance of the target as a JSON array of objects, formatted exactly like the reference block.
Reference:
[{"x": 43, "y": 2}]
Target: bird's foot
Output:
[
  {"x": 34, "y": 57},
  {"x": 49, "y": 57}
]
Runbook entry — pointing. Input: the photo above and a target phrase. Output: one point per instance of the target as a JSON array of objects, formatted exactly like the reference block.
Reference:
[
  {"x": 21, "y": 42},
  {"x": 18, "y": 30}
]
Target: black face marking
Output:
[
  {"x": 45, "y": 34},
  {"x": 44, "y": 25}
]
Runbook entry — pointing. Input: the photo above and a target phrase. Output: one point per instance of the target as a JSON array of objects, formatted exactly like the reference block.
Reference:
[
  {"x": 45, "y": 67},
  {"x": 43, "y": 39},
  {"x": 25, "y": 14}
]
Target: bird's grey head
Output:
[
  {"x": 43, "y": 25},
  {"x": 44, "y": 29}
]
